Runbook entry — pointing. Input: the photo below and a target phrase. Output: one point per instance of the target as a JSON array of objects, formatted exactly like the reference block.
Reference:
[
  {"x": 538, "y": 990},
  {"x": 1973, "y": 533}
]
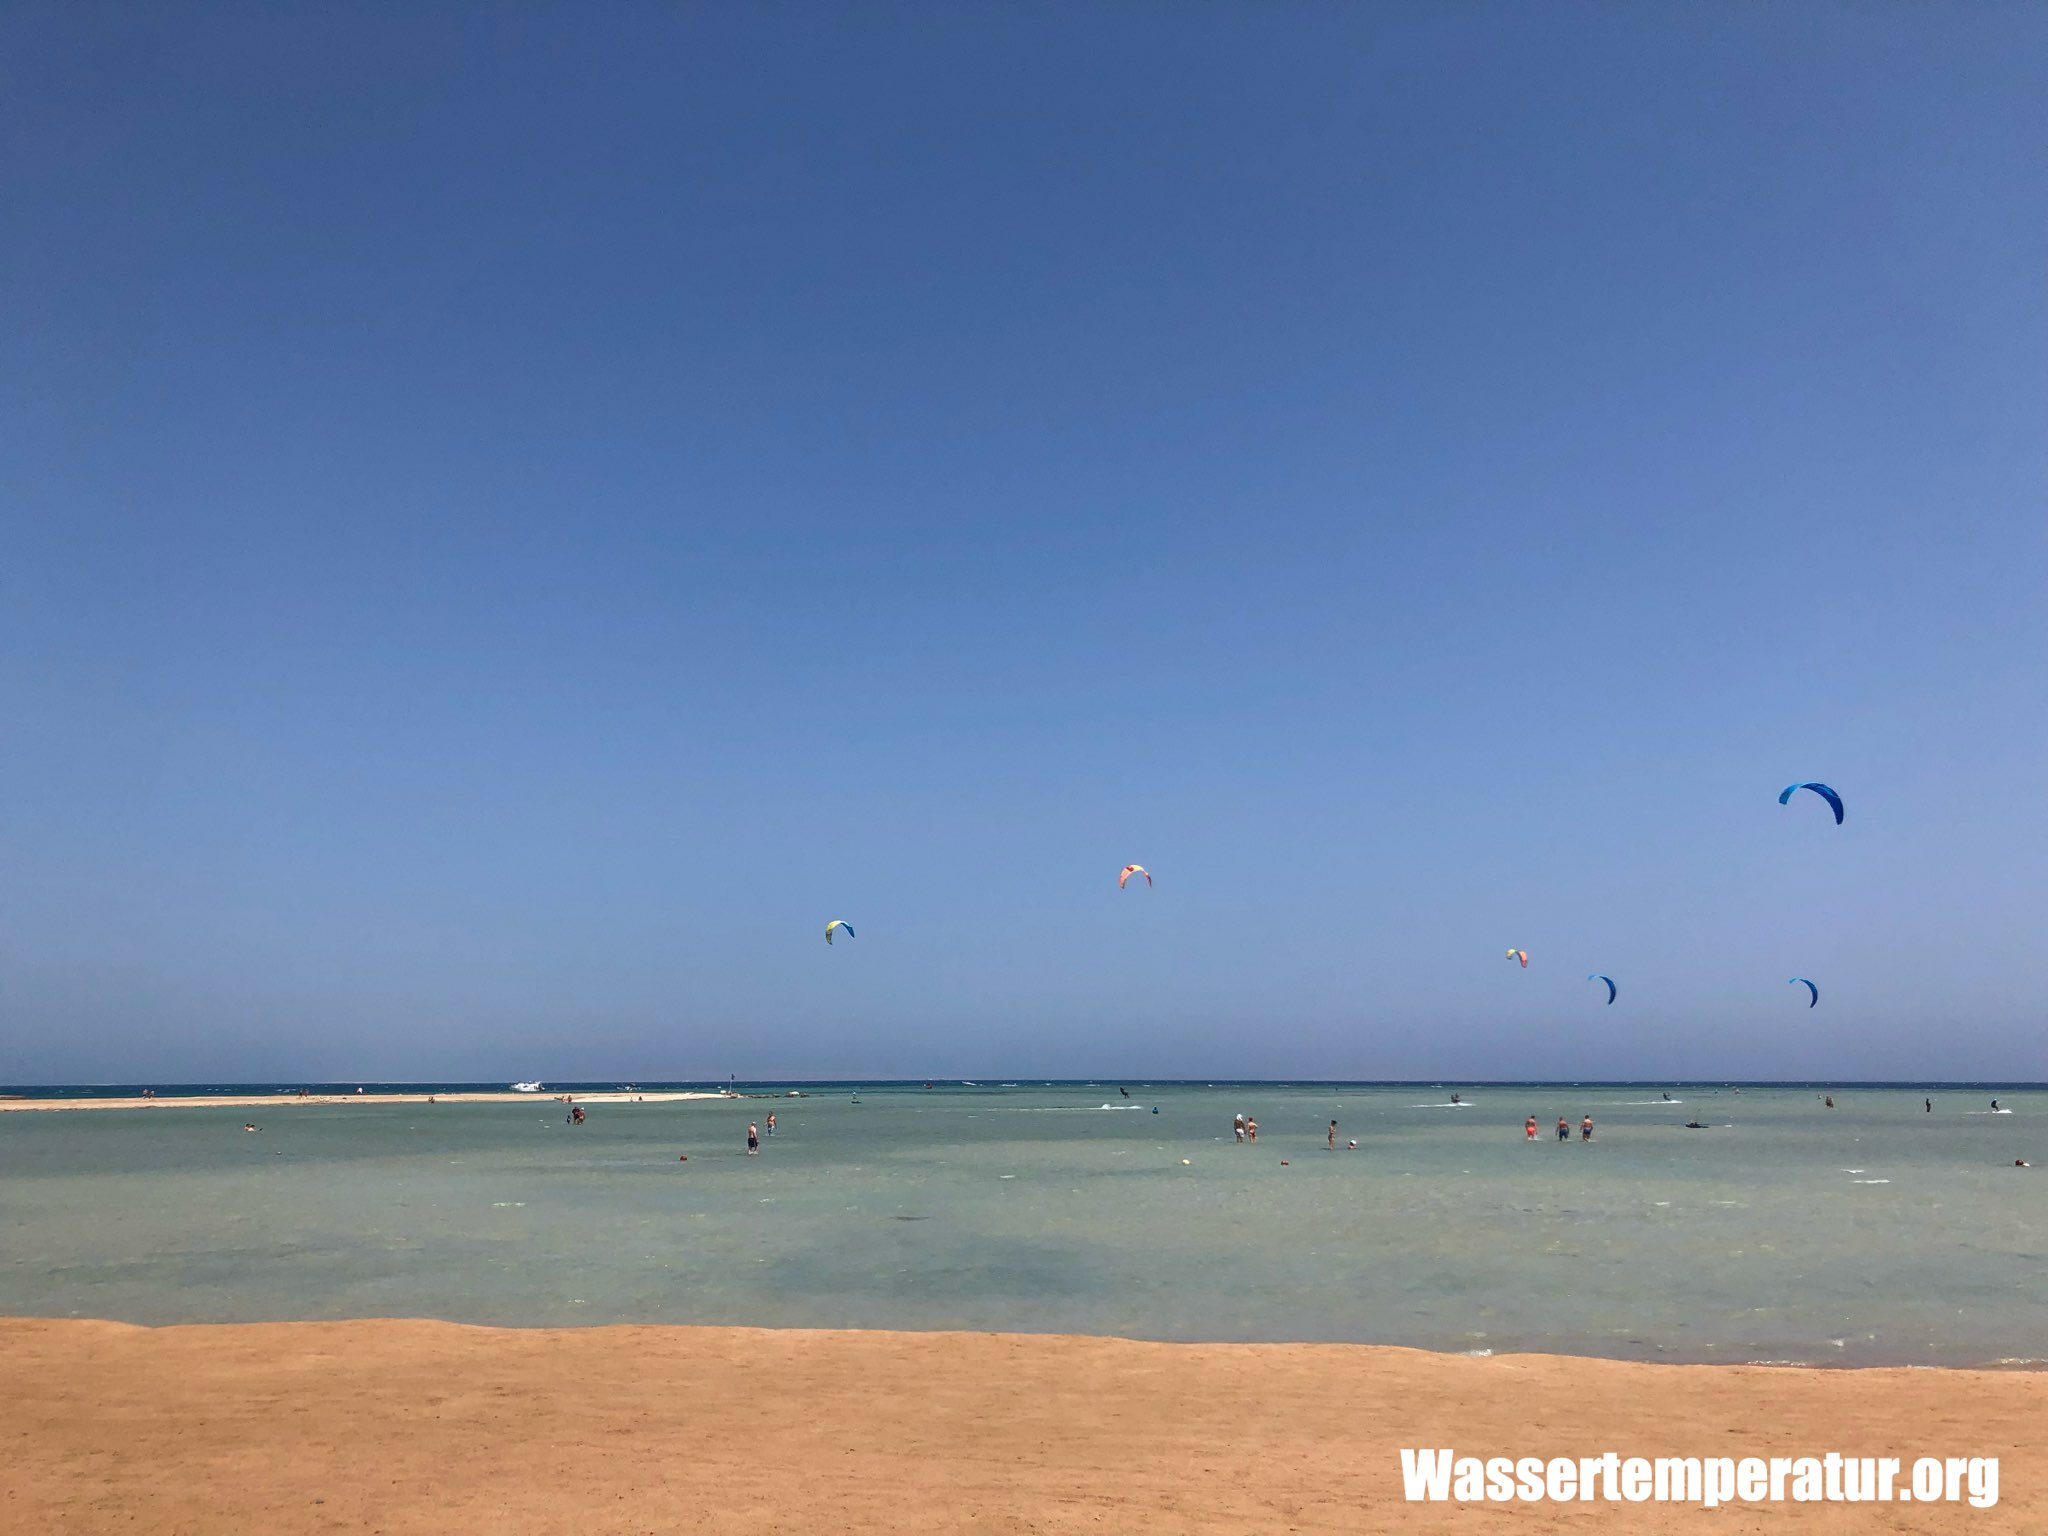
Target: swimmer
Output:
[
  {"x": 2021, "y": 1162},
  {"x": 1586, "y": 1129},
  {"x": 753, "y": 1138},
  {"x": 247, "y": 1126},
  {"x": 1829, "y": 1101},
  {"x": 1694, "y": 1125},
  {"x": 1354, "y": 1146}
]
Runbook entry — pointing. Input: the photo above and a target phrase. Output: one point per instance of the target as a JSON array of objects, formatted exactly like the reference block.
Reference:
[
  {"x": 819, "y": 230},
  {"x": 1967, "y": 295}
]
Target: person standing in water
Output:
[
  {"x": 753, "y": 1138},
  {"x": 1251, "y": 1129},
  {"x": 1564, "y": 1129},
  {"x": 1994, "y": 1106},
  {"x": 1586, "y": 1129},
  {"x": 1529, "y": 1130},
  {"x": 1237, "y": 1126},
  {"x": 1930, "y": 1105},
  {"x": 771, "y": 1122},
  {"x": 1333, "y": 1135}
]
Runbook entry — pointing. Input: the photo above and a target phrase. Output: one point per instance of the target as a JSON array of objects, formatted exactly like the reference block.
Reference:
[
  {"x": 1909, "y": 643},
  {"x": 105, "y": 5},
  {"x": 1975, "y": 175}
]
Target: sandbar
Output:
[{"x": 268, "y": 1100}]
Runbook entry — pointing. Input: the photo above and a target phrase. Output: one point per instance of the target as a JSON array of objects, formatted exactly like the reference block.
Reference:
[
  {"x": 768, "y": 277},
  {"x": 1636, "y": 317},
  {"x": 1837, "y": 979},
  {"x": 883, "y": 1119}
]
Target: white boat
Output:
[{"x": 529, "y": 1087}]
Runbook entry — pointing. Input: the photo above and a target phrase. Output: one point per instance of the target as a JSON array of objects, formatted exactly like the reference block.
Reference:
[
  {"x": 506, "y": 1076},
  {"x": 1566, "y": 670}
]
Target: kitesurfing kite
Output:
[
  {"x": 1129, "y": 870},
  {"x": 1822, "y": 790},
  {"x": 1521, "y": 955},
  {"x": 1596, "y": 976},
  {"x": 839, "y": 922},
  {"x": 1801, "y": 981}
]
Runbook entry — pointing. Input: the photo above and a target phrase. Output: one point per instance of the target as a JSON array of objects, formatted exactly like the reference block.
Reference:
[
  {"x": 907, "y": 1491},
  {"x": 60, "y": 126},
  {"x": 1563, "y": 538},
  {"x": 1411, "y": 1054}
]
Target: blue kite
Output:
[{"x": 1822, "y": 790}]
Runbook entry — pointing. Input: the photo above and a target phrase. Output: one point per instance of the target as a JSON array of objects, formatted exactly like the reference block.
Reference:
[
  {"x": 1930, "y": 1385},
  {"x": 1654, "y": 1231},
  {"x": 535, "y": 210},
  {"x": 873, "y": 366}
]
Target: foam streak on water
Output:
[{"x": 1872, "y": 1233}]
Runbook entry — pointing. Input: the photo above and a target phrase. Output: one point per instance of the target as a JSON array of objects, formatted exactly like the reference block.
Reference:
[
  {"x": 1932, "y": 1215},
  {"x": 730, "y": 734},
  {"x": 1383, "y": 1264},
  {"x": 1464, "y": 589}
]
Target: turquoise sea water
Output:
[{"x": 1871, "y": 1233}]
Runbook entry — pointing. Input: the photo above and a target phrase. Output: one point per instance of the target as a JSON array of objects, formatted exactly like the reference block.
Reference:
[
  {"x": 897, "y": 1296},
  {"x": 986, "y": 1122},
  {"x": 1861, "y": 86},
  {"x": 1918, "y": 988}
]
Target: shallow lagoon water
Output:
[{"x": 1869, "y": 1234}]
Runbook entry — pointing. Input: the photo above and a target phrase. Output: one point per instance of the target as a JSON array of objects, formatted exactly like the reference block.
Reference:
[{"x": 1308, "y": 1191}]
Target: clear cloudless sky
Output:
[{"x": 513, "y": 516}]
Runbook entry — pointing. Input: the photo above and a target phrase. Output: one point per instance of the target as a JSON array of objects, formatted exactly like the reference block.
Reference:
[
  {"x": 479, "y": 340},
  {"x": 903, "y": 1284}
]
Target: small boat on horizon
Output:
[{"x": 529, "y": 1087}]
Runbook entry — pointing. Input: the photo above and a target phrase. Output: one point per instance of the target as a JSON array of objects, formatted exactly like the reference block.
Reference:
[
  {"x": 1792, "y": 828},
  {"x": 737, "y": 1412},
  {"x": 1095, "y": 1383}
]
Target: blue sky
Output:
[{"x": 511, "y": 519}]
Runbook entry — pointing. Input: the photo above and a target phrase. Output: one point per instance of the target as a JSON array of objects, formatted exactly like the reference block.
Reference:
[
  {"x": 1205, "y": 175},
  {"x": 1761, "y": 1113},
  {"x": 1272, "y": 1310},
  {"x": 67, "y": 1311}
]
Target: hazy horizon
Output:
[{"x": 609, "y": 1082}]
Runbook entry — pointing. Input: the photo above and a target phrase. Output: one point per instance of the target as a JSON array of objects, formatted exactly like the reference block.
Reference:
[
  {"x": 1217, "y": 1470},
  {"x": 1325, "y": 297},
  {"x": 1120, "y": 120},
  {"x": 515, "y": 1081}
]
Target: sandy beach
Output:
[
  {"x": 405, "y": 1426},
  {"x": 269, "y": 1100}
]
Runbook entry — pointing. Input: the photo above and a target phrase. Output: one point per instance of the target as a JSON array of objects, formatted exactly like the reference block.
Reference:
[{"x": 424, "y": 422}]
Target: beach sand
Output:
[
  {"x": 403, "y": 1427},
  {"x": 279, "y": 1100}
]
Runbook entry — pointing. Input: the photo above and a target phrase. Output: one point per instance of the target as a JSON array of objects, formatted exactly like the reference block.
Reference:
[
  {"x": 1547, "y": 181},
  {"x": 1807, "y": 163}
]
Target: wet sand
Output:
[
  {"x": 416, "y": 1427},
  {"x": 289, "y": 1100}
]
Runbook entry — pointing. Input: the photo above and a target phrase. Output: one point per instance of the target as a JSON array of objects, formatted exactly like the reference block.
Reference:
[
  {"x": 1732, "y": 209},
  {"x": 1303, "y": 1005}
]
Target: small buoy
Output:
[
  {"x": 1354, "y": 1146},
  {"x": 1155, "y": 1109}
]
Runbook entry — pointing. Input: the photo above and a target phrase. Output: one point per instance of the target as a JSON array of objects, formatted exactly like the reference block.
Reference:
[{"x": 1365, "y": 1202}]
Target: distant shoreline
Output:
[{"x": 293, "y": 1100}]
